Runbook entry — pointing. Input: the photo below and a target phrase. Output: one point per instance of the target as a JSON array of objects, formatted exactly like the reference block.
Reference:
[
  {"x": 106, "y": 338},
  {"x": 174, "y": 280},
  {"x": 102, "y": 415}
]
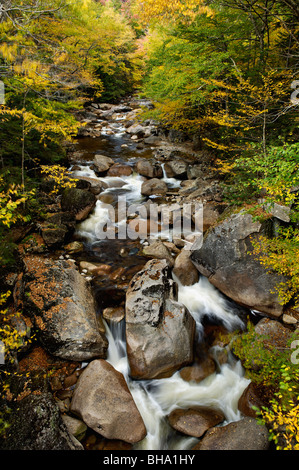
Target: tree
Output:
[
  {"x": 215, "y": 76},
  {"x": 52, "y": 56}
]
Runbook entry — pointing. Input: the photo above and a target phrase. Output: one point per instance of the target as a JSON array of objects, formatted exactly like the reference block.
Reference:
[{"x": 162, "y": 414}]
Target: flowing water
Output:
[{"x": 155, "y": 399}]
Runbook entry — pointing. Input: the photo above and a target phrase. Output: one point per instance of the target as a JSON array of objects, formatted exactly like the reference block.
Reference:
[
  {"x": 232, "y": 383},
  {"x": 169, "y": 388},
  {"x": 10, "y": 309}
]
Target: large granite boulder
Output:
[
  {"x": 103, "y": 401},
  {"x": 226, "y": 258},
  {"x": 63, "y": 309},
  {"x": 159, "y": 330}
]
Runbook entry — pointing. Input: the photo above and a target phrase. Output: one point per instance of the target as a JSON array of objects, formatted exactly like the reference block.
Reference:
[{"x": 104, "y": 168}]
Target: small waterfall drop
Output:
[{"x": 155, "y": 399}]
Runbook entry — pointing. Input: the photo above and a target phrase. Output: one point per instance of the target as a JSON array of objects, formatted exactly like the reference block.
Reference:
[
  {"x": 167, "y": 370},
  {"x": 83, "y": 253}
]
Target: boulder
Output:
[
  {"x": 226, "y": 258},
  {"x": 210, "y": 216},
  {"x": 54, "y": 236},
  {"x": 176, "y": 169},
  {"x": 114, "y": 314},
  {"x": 195, "y": 171},
  {"x": 195, "y": 421},
  {"x": 103, "y": 401},
  {"x": 57, "y": 228},
  {"x": 96, "y": 186},
  {"x": 35, "y": 423},
  {"x": 122, "y": 108},
  {"x": 102, "y": 163},
  {"x": 158, "y": 250},
  {"x": 159, "y": 330},
  {"x": 274, "y": 334},
  {"x": 74, "y": 247},
  {"x": 279, "y": 211},
  {"x": 245, "y": 434},
  {"x": 184, "y": 269},
  {"x": 251, "y": 397},
  {"x": 149, "y": 170},
  {"x": 152, "y": 140},
  {"x": 63, "y": 309},
  {"x": 119, "y": 170},
  {"x": 199, "y": 370},
  {"x": 137, "y": 130},
  {"x": 154, "y": 186},
  {"x": 79, "y": 202}
]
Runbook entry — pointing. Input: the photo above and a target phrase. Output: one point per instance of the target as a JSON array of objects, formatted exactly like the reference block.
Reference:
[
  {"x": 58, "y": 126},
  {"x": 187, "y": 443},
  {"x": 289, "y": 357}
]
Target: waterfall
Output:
[
  {"x": 203, "y": 299},
  {"x": 155, "y": 399}
]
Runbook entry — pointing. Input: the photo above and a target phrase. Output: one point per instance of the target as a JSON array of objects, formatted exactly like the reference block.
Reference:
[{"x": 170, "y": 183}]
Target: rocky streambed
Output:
[{"x": 129, "y": 349}]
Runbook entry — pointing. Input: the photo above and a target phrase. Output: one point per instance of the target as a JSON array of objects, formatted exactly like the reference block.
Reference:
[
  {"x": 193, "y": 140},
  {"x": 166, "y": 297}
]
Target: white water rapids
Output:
[{"x": 155, "y": 399}]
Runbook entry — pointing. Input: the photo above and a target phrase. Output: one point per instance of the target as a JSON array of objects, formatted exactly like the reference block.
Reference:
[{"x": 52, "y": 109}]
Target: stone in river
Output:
[
  {"x": 104, "y": 402},
  {"x": 159, "y": 330}
]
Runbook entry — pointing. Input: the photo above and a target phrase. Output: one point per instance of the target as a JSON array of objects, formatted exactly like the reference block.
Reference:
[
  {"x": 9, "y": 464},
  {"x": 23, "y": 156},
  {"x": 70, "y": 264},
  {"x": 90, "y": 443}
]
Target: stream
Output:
[{"x": 155, "y": 399}]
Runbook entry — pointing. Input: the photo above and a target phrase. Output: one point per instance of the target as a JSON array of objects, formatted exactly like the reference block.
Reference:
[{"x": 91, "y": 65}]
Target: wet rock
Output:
[
  {"x": 102, "y": 163},
  {"x": 159, "y": 330},
  {"x": 251, "y": 397},
  {"x": 96, "y": 186},
  {"x": 94, "y": 268},
  {"x": 79, "y": 202},
  {"x": 149, "y": 170},
  {"x": 36, "y": 424},
  {"x": 226, "y": 258},
  {"x": 245, "y": 434},
  {"x": 199, "y": 370},
  {"x": 176, "y": 169},
  {"x": 103, "y": 401},
  {"x": 114, "y": 314},
  {"x": 184, "y": 269},
  {"x": 140, "y": 228},
  {"x": 62, "y": 307},
  {"x": 137, "y": 130},
  {"x": 122, "y": 108},
  {"x": 153, "y": 186},
  {"x": 158, "y": 250},
  {"x": 195, "y": 421},
  {"x": 119, "y": 170}
]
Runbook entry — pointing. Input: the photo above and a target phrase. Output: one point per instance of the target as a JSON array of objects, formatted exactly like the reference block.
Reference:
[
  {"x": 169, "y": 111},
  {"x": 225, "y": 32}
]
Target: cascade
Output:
[{"x": 155, "y": 399}]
